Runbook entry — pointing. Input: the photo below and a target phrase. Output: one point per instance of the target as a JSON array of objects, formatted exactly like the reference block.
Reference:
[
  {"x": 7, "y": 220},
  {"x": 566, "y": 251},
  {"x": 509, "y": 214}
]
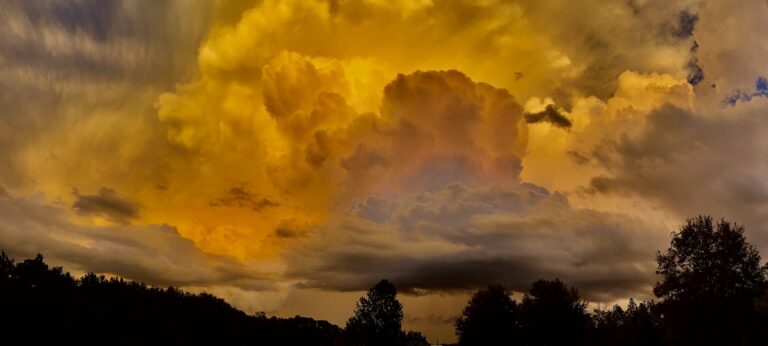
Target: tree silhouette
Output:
[
  {"x": 413, "y": 338},
  {"x": 710, "y": 278},
  {"x": 490, "y": 317},
  {"x": 45, "y": 306},
  {"x": 377, "y": 319},
  {"x": 553, "y": 314},
  {"x": 712, "y": 290},
  {"x": 635, "y": 326},
  {"x": 6, "y": 268}
]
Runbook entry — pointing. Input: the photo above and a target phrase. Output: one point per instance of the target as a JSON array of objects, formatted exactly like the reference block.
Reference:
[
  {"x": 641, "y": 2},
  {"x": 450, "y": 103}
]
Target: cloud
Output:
[
  {"x": 91, "y": 17},
  {"x": 686, "y": 24},
  {"x": 729, "y": 51},
  {"x": 461, "y": 238},
  {"x": 761, "y": 90},
  {"x": 549, "y": 115},
  {"x": 155, "y": 254},
  {"x": 693, "y": 163},
  {"x": 696, "y": 73},
  {"x": 106, "y": 203},
  {"x": 437, "y": 127},
  {"x": 241, "y": 197},
  {"x": 82, "y": 77},
  {"x": 305, "y": 106},
  {"x": 384, "y": 137},
  {"x": 609, "y": 41}
]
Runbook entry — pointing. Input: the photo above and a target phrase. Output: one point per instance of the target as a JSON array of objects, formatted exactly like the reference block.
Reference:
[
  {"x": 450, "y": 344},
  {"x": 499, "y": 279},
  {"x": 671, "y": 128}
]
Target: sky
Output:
[{"x": 286, "y": 155}]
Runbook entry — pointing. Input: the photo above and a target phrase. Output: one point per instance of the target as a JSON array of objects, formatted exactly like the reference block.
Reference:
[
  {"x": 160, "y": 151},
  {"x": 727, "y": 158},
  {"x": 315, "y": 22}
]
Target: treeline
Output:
[
  {"x": 712, "y": 291},
  {"x": 40, "y": 305}
]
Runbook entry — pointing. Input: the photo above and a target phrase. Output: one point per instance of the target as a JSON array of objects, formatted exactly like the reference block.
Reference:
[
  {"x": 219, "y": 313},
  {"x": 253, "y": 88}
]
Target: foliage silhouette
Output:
[
  {"x": 711, "y": 278},
  {"x": 413, "y": 338},
  {"x": 377, "y": 319},
  {"x": 491, "y": 317},
  {"x": 550, "y": 314},
  {"x": 712, "y": 292},
  {"x": 42, "y": 305},
  {"x": 553, "y": 314},
  {"x": 635, "y": 326}
]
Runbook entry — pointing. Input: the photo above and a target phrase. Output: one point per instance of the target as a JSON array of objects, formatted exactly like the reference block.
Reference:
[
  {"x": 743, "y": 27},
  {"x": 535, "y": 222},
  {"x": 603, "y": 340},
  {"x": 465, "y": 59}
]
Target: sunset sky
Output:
[{"x": 286, "y": 155}]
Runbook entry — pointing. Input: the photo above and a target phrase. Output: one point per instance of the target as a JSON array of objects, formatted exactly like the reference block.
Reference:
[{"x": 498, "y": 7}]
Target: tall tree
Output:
[
  {"x": 710, "y": 278},
  {"x": 377, "y": 319},
  {"x": 490, "y": 317}
]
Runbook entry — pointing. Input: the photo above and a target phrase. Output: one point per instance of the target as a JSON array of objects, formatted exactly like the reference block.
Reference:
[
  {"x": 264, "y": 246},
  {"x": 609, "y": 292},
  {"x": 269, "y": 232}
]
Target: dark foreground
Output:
[{"x": 712, "y": 291}]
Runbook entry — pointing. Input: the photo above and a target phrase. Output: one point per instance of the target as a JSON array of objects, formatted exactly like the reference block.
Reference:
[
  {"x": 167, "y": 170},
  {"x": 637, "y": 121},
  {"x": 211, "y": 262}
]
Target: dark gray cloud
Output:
[
  {"x": 695, "y": 71},
  {"x": 686, "y": 24},
  {"x": 578, "y": 157},
  {"x": 462, "y": 237},
  {"x": 285, "y": 232},
  {"x": 67, "y": 63},
  {"x": 241, "y": 197},
  {"x": 101, "y": 39},
  {"x": 93, "y": 17},
  {"x": 695, "y": 163},
  {"x": 549, "y": 115},
  {"x": 107, "y": 203}
]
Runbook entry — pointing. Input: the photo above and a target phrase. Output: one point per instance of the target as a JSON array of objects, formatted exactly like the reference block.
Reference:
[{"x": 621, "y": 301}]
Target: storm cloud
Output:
[
  {"x": 695, "y": 163},
  {"x": 462, "y": 238}
]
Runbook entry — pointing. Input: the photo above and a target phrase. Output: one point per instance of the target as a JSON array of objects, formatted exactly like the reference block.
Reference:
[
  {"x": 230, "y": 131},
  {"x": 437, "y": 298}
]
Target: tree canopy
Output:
[
  {"x": 712, "y": 291},
  {"x": 710, "y": 280},
  {"x": 490, "y": 317},
  {"x": 377, "y": 319},
  {"x": 554, "y": 314}
]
